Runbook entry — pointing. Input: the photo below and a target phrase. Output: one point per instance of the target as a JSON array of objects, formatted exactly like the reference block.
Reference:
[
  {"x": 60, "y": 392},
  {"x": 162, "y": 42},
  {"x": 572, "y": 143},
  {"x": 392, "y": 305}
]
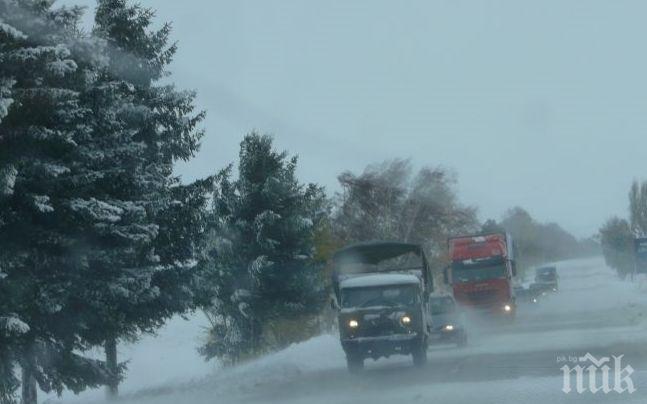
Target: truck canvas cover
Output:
[
  {"x": 374, "y": 252},
  {"x": 365, "y": 258}
]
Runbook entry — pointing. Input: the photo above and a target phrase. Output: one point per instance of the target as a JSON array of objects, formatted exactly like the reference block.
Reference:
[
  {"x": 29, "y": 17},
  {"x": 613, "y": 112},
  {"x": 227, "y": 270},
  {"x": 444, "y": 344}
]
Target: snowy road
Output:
[{"x": 593, "y": 313}]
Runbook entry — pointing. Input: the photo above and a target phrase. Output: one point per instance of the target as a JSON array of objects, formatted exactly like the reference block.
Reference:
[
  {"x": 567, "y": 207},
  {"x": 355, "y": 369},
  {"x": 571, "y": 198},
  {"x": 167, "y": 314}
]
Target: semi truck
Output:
[
  {"x": 381, "y": 291},
  {"x": 482, "y": 271}
]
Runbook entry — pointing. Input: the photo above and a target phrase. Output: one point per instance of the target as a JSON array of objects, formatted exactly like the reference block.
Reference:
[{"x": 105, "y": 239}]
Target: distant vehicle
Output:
[
  {"x": 482, "y": 271},
  {"x": 448, "y": 324},
  {"x": 525, "y": 295},
  {"x": 382, "y": 291},
  {"x": 538, "y": 291},
  {"x": 548, "y": 278}
]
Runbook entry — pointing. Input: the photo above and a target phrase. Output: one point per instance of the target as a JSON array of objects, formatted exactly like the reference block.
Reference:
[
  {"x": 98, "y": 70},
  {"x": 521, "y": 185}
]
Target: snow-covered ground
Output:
[
  {"x": 168, "y": 358},
  {"x": 593, "y": 312}
]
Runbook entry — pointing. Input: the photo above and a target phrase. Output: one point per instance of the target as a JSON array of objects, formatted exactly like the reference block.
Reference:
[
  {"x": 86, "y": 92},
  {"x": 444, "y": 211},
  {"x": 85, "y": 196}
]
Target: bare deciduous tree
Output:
[{"x": 389, "y": 202}]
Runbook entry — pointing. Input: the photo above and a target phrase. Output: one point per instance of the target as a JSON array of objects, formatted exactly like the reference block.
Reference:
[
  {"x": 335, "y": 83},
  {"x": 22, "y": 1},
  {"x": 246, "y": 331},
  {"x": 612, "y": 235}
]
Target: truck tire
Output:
[
  {"x": 354, "y": 363},
  {"x": 419, "y": 354}
]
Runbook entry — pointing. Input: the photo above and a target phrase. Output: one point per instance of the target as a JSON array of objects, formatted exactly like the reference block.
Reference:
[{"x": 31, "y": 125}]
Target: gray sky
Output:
[{"x": 541, "y": 104}]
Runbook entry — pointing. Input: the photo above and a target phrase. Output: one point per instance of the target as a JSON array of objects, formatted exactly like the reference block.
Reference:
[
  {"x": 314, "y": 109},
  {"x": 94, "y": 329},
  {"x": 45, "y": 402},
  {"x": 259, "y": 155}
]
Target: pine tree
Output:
[
  {"x": 159, "y": 279},
  {"x": 262, "y": 258},
  {"x": 10, "y": 326},
  {"x": 43, "y": 74},
  {"x": 98, "y": 239}
]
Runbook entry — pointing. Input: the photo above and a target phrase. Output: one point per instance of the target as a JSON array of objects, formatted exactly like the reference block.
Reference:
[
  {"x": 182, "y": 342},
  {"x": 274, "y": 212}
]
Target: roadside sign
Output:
[{"x": 640, "y": 255}]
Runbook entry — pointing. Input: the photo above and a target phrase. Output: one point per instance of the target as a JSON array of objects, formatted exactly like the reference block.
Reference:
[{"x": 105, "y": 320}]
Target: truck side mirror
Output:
[
  {"x": 514, "y": 269},
  {"x": 446, "y": 275},
  {"x": 333, "y": 304}
]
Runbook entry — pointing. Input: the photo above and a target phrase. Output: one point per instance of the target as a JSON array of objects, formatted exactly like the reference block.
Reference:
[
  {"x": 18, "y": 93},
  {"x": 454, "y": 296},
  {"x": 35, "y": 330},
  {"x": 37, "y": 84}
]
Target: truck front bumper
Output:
[{"x": 382, "y": 346}]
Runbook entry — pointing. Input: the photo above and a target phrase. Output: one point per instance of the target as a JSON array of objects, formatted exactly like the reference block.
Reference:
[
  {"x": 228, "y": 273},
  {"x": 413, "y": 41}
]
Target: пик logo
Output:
[{"x": 598, "y": 370}]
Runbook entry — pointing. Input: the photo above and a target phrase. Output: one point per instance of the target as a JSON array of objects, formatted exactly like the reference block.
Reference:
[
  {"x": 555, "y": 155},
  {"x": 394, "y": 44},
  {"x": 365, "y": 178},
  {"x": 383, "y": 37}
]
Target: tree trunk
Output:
[
  {"x": 29, "y": 392},
  {"x": 112, "y": 389}
]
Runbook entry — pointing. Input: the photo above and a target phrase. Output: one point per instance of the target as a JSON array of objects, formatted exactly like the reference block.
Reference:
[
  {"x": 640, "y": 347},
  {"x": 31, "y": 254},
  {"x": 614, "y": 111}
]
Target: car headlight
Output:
[
  {"x": 353, "y": 324},
  {"x": 507, "y": 308},
  {"x": 534, "y": 300},
  {"x": 406, "y": 320},
  {"x": 448, "y": 327}
]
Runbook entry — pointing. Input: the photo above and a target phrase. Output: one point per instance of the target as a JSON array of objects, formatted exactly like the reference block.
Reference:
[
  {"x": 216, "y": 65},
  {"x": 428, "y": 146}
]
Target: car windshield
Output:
[
  {"x": 391, "y": 296},
  {"x": 442, "y": 305},
  {"x": 478, "y": 273}
]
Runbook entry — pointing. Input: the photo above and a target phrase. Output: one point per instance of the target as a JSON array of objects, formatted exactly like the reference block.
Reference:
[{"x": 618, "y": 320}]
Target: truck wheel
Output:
[
  {"x": 419, "y": 354},
  {"x": 355, "y": 363}
]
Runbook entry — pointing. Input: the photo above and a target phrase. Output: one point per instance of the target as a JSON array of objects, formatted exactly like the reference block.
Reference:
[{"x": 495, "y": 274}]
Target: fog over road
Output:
[{"x": 594, "y": 312}]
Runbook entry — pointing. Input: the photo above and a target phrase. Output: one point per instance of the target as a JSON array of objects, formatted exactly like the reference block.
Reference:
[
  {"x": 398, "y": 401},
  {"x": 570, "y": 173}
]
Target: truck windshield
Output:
[
  {"x": 390, "y": 296},
  {"x": 478, "y": 273}
]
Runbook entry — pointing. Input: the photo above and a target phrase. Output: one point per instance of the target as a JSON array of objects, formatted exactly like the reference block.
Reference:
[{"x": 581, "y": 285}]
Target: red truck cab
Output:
[{"x": 482, "y": 271}]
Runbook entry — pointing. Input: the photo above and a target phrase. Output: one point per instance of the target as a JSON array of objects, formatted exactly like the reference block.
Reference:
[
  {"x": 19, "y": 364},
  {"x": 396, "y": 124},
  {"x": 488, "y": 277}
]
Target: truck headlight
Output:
[
  {"x": 507, "y": 308},
  {"x": 406, "y": 320},
  {"x": 448, "y": 327},
  {"x": 353, "y": 324}
]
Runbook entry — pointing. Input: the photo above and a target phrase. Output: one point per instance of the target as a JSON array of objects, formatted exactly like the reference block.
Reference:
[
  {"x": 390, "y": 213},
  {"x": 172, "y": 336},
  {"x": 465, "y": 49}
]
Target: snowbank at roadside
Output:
[{"x": 169, "y": 357}]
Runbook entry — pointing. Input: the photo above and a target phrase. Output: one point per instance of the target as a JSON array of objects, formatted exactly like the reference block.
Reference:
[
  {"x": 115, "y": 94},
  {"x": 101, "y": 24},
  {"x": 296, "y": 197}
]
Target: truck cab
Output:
[
  {"x": 482, "y": 272},
  {"x": 382, "y": 293}
]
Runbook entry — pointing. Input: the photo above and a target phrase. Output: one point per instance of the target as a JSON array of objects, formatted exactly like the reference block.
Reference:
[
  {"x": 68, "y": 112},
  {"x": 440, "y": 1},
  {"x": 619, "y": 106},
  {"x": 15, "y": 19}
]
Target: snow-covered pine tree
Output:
[
  {"x": 8, "y": 332},
  {"x": 98, "y": 238},
  {"x": 160, "y": 278},
  {"x": 10, "y": 326},
  {"x": 261, "y": 259},
  {"x": 43, "y": 74}
]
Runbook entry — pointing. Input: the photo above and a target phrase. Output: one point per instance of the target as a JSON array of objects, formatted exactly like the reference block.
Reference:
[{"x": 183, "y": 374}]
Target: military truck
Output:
[{"x": 382, "y": 291}]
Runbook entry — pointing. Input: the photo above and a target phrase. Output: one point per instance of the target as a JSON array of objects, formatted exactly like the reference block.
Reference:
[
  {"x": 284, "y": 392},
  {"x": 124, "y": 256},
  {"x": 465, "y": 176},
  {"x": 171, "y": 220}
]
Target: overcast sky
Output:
[{"x": 541, "y": 104}]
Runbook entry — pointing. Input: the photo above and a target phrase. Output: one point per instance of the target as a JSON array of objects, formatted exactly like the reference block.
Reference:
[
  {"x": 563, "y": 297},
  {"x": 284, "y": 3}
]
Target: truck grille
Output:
[
  {"x": 379, "y": 327},
  {"x": 483, "y": 298}
]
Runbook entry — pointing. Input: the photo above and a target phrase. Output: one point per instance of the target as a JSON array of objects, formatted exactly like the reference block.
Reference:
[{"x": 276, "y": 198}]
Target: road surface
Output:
[{"x": 594, "y": 312}]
